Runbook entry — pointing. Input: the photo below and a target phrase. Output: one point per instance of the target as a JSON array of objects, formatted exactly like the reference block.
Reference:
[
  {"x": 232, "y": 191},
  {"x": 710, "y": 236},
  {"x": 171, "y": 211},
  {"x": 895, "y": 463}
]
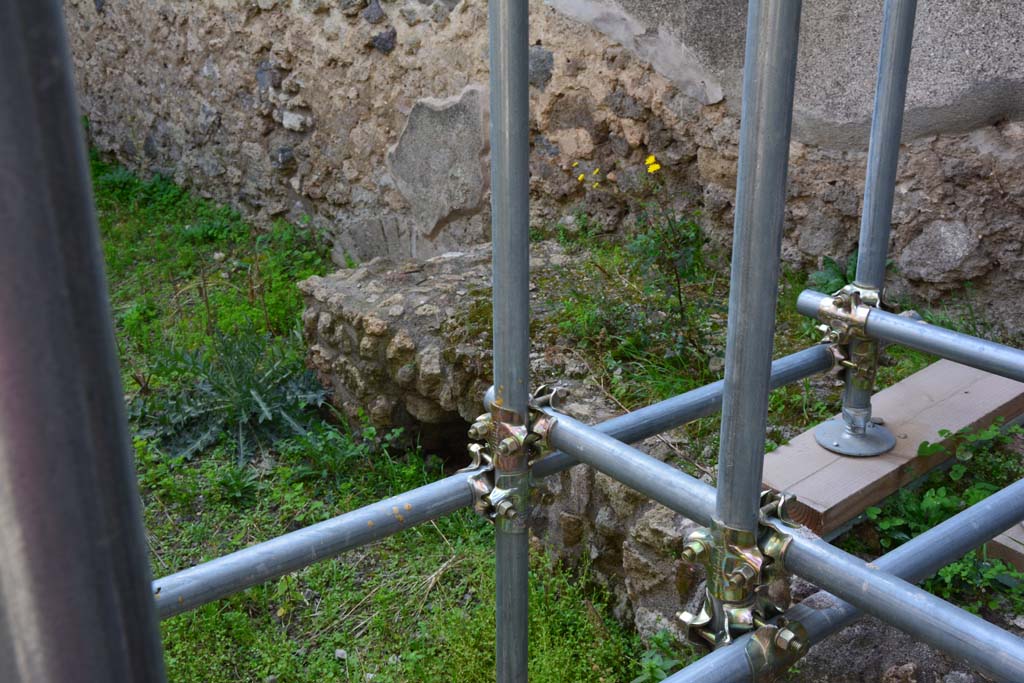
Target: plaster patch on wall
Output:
[{"x": 663, "y": 51}]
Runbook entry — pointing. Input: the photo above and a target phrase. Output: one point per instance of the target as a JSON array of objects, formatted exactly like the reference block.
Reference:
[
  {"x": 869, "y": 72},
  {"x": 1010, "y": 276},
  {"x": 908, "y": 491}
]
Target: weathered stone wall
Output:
[{"x": 370, "y": 117}]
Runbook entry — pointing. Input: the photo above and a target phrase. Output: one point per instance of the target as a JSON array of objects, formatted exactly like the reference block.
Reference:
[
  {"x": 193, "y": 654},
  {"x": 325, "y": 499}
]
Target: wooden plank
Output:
[
  {"x": 1009, "y": 546},
  {"x": 832, "y": 489}
]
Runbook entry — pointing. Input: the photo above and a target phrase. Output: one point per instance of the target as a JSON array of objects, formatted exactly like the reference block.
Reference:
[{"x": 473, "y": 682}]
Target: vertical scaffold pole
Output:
[
  {"x": 74, "y": 578},
  {"x": 855, "y": 434},
  {"x": 769, "y": 73},
  {"x": 508, "y": 22}
]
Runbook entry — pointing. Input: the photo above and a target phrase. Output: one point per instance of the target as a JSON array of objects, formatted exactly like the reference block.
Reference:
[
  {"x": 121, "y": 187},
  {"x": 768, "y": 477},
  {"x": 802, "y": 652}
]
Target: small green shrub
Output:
[
  {"x": 832, "y": 277},
  {"x": 644, "y": 306},
  {"x": 248, "y": 388},
  {"x": 970, "y": 442},
  {"x": 659, "y": 660},
  {"x": 976, "y": 582},
  {"x": 986, "y": 462},
  {"x": 238, "y": 485}
]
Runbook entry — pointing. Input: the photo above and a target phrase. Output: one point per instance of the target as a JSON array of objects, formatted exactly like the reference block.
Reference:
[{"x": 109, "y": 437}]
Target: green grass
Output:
[
  {"x": 647, "y": 310},
  {"x": 206, "y": 313},
  {"x": 234, "y": 445}
]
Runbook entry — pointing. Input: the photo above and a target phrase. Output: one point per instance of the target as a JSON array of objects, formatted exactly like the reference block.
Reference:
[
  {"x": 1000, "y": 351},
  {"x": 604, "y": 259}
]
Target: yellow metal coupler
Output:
[
  {"x": 746, "y": 586},
  {"x": 845, "y": 313},
  {"x": 775, "y": 647},
  {"x": 492, "y": 442},
  {"x": 845, "y": 316},
  {"x": 506, "y": 443},
  {"x": 732, "y": 563}
]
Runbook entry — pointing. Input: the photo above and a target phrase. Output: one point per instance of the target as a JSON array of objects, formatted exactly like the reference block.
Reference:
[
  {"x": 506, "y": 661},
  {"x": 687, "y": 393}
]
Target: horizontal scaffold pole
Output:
[
  {"x": 913, "y": 610},
  {"x": 265, "y": 561},
  {"x": 962, "y": 348},
  {"x": 693, "y": 405},
  {"x": 657, "y": 480},
  {"x": 243, "y": 569},
  {"x": 823, "y": 614},
  {"x": 909, "y": 608}
]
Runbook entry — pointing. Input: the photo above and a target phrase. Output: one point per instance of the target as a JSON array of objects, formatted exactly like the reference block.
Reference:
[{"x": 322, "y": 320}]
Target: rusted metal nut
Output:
[
  {"x": 789, "y": 641},
  {"x": 508, "y": 445},
  {"x": 693, "y": 551},
  {"x": 479, "y": 430},
  {"x": 742, "y": 575},
  {"x": 506, "y": 509}
]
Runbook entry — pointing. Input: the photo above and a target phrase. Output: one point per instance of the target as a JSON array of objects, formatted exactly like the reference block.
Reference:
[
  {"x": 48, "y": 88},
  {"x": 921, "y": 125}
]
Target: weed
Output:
[
  {"x": 659, "y": 660},
  {"x": 248, "y": 388},
  {"x": 970, "y": 441},
  {"x": 238, "y": 485},
  {"x": 832, "y": 277},
  {"x": 974, "y": 581},
  {"x": 644, "y": 306}
]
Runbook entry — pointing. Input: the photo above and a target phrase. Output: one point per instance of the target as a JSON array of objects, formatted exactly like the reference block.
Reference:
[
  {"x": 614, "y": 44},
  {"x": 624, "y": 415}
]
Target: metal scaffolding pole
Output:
[
  {"x": 854, "y": 433},
  {"x": 769, "y": 73},
  {"x": 823, "y": 614},
  {"x": 998, "y": 359},
  {"x": 74, "y": 576},
  {"x": 893, "y": 600},
  {"x": 693, "y": 405},
  {"x": 956, "y": 346},
  {"x": 232, "y": 573},
  {"x": 656, "y": 480},
  {"x": 265, "y": 561},
  {"x": 508, "y": 24},
  {"x": 884, "y": 144},
  {"x": 911, "y": 609}
]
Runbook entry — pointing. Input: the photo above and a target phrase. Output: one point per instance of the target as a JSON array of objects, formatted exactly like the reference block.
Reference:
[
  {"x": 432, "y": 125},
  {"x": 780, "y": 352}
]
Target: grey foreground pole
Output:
[
  {"x": 989, "y": 356},
  {"x": 769, "y": 74},
  {"x": 74, "y": 576},
  {"x": 203, "y": 583},
  {"x": 823, "y": 614},
  {"x": 508, "y": 24},
  {"x": 855, "y": 433}
]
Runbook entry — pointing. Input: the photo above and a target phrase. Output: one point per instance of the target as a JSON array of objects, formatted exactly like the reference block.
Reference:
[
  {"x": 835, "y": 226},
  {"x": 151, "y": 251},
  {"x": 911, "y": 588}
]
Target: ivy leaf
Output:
[{"x": 927, "y": 449}]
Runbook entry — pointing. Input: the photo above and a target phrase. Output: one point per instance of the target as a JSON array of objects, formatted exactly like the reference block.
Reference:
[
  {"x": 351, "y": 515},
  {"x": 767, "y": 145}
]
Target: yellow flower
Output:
[
  {"x": 595, "y": 184},
  {"x": 595, "y": 171},
  {"x": 581, "y": 177},
  {"x": 575, "y": 164},
  {"x": 654, "y": 167},
  {"x": 650, "y": 160}
]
